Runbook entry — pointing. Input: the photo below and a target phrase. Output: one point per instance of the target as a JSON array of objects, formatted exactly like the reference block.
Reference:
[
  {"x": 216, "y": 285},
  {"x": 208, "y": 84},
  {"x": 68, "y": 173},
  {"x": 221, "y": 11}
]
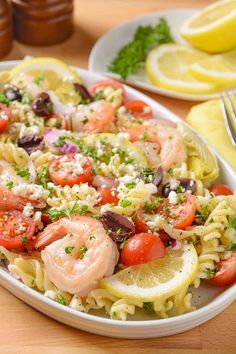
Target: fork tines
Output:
[{"x": 228, "y": 104}]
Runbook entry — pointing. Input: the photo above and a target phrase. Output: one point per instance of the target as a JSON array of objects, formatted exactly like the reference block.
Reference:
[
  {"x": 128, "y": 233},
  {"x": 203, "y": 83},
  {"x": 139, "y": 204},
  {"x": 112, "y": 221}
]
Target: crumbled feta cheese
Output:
[
  {"x": 122, "y": 110},
  {"x": 123, "y": 136},
  {"x": 152, "y": 187},
  {"x": 28, "y": 210},
  {"x": 21, "y": 228},
  {"x": 173, "y": 197},
  {"x": 37, "y": 219},
  {"x": 32, "y": 192}
]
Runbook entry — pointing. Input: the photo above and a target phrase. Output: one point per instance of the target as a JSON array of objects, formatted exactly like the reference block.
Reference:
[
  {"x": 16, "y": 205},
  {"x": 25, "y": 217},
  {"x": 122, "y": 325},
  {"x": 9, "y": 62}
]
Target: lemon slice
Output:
[
  {"x": 213, "y": 29},
  {"x": 219, "y": 69},
  {"x": 168, "y": 65},
  {"x": 160, "y": 279},
  {"x": 47, "y": 74}
]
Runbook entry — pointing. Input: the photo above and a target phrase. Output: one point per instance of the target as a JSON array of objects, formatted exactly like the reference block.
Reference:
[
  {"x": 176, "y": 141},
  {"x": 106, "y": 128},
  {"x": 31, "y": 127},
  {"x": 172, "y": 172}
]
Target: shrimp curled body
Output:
[{"x": 80, "y": 257}]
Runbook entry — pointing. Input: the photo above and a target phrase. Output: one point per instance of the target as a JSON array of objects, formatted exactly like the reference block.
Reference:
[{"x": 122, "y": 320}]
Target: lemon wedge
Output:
[
  {"x": 48, "y": 74},
  {"x": 51, "y": 68},
  {"x": 160, "y": 279},
  {"x": 212, "y": 29},
  {"x": 168, "y": 65},
  {"x": 218, "y": 69}
]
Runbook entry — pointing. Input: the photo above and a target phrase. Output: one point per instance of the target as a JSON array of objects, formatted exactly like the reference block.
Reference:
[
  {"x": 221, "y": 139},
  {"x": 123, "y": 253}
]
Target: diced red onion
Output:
[
  {"x": 175, "y": 244},
  {"x": 32, "y": 171},
  {"x": 52, "y": 135},
  {"x": 105, "y": 182}
]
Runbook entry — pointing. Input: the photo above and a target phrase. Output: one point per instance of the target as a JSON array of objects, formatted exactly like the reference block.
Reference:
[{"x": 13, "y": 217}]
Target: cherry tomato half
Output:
[
  {"x": 179, "y": 215},
  {"x": 107, "y": 196},
  {"x": 140, "y": 225},
  {"x": 221, "y": 189},
  {"x": 60, "y": 174},
  {"x": 139, "y": 109},
  {"x": 4, "y": 117},
  {"x": 16, "y": 229},
  {"x": 142, "y": 248},
  {"x": 226, "y": 273},
  {"x": 101, "y": 85}
]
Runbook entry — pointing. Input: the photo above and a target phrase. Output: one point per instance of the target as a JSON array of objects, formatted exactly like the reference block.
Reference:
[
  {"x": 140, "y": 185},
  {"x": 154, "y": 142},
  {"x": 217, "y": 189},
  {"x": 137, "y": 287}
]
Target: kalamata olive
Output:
[
  {"x": 12, "y": 93},
  {"x": 31, "y": 143},
  {"x": 83, "y": 91},
  {"x": 42, "y": 105},
  {"x": 117, "y": 226},
  {"x": 187, "y": 184},
  {"x": 159, "y": 176},
  {"x": 166, "y": 190}
]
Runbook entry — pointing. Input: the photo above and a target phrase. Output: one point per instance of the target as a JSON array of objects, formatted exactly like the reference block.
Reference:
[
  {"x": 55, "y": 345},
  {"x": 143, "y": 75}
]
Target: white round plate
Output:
[
  {"x": 209, "y": 300},
  {"x": 106, "y": 48}
]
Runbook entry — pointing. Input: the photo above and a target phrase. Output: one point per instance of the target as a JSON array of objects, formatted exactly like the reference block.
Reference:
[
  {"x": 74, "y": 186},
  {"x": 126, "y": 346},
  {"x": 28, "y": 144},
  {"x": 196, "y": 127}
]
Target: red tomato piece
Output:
[
  {"x": 60, "y": 174},
  {"x": 139, "y": 109},
  {"x": 108, "y": 196},
  {"x": 142, "y": 248},
  {"x": 179, "y": 215},
  {"x": 140, "y": 225},
  {"x": 16, "y": 229},
  {"x": 4, "y": 117},
  {"x": 226, "y": 273},
  {"x": 221, "y": 189},
  {"x": 101, "y": 85}
]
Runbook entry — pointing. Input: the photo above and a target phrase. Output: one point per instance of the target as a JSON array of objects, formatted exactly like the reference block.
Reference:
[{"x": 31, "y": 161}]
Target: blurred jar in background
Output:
[
  {"x": 42, "y": 22},
  {"x": 5, "y": 28}
]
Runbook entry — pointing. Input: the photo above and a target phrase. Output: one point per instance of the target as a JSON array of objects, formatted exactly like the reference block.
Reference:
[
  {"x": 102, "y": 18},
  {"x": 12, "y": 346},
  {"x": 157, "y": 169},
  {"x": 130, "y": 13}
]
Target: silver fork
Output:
[{"x": 229, "y": 114}]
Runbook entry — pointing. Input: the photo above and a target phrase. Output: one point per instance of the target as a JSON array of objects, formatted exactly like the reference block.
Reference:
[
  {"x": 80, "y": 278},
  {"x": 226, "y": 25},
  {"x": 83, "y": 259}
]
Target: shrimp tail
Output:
[{"x": 11, "y": 201}]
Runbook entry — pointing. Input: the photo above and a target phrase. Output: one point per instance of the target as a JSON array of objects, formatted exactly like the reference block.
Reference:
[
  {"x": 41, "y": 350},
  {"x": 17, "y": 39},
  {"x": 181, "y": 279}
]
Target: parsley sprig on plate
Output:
[{"x": 132, "y": 56}]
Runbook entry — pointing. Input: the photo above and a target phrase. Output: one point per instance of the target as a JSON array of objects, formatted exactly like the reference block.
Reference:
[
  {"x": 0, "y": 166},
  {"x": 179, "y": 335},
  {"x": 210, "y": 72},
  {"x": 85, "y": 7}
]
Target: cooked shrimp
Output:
[
  {"x": 82, "y": 255},
  {"x": 11, "y": 201},
  {"x": 163, "y": 138},
  {"x": 95, "y": 117}
]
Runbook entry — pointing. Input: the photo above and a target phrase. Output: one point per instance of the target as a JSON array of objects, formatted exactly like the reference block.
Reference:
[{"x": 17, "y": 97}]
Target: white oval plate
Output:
[
  {"x": 106, "y": 48},
  {"x": 210, "y": 300}
]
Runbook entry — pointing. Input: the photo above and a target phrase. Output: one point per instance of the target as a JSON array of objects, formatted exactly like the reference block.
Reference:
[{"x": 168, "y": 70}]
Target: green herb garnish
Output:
[
  {"x": 55, "y": 213},
  {"x": 133, "y": 55},
  {"x": 149, "y": 307},
  {"x": 60, "y": 299},
  {"x": 130, "y": 185},
  {"x": 124, "y": 203},
  {"x": 10, "y": 184},
  {"x": 43, "y": 176},
  {"x": 39, "y": 79},
  {"x": 22, "y": 173},
  {"x": 24, "y": 239},
  {"x": 4, "y": 99},
  {"x": 82, "y": 252},
  {"x": 232, "y": 221},
  {"x": 69, "y": 249}
]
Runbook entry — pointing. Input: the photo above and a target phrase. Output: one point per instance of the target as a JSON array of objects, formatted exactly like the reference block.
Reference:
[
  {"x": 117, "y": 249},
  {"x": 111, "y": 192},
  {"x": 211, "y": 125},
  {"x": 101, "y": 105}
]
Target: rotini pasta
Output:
[{"x": 110, "y": 210}]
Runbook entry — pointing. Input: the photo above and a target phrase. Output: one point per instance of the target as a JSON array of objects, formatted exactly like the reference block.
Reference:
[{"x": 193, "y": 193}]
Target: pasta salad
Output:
[{"x": 102, "y": 204}]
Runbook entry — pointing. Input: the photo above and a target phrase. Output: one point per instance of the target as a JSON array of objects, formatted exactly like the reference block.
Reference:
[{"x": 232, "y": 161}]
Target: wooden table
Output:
[{"x": 23, "y": 329}]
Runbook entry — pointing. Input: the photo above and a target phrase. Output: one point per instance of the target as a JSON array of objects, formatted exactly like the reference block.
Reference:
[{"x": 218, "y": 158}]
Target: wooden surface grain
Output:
[{"x": 23, "y": 329}]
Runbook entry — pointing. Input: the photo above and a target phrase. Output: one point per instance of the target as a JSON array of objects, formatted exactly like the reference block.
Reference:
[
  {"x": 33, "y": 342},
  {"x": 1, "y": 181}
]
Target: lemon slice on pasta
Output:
[{"x": 156, "y": 280}]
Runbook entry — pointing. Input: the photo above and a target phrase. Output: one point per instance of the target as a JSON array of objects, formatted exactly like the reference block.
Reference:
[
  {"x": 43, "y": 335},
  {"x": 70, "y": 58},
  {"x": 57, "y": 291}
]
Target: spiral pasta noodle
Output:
[{"x": 13, "y": 154}]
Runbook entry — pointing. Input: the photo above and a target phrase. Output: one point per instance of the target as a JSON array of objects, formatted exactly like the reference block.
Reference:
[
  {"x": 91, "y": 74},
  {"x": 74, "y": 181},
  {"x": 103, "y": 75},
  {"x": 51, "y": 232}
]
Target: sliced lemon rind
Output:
[
  {"x": 157, "y": 78},
  {"x": 183, "y": 279},
  {"x": 213, "y": 76},
  {"x": 44, "y": 63}
]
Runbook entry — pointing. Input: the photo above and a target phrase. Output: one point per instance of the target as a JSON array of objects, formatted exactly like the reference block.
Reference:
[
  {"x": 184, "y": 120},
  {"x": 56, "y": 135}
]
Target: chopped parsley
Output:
[
  {"x": 170, "y": 170},
  {"x": 149, "y": 307},
  {"x": 123, "y": 243},
  {"x": 55, "y": 213},
  {"x": 26, "y": 98},
  {"x": 4, "y": 99},
  {"x": 124, "y": 203},
  {"x": 130, "y": 185},
  {"x": 148, "y": 175},
  {"x": 152, "y": 207},
  {"x": 204, "y": 214},
  {"x": 181, "y": 198},
  {"x": 10, "y": 184},
  {"x": 39, "y": 79},
  {"x": 69, "y": 249},
  {"x": 232, "y": 221},
  {"x": 24, "y": 239},
  {"x": 82, "y": 252},
  {"x": 113, "y": 315},
  {"x": 180, "y": 189},
  {"x": 85, "y": 120},
  {"x": 22, "y": 173},
  {"x": 60, "y": 299},
  {"x": 209, "y": 273},
  {"x": 43, "y": 176}
]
